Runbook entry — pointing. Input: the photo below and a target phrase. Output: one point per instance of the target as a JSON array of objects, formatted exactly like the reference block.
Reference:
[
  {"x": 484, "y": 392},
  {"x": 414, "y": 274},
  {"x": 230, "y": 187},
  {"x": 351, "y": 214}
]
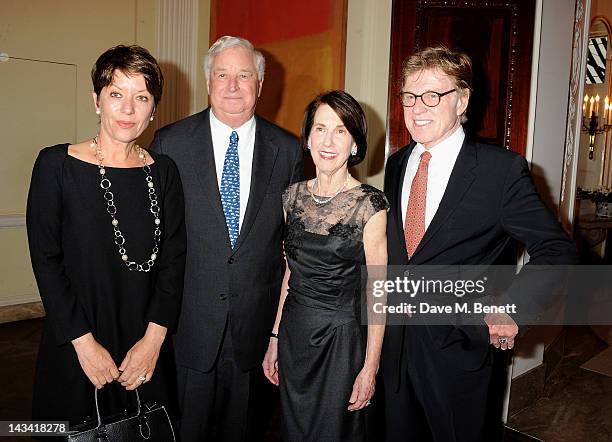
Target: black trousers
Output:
[
  {"x": 225, "y": 404},
  {"x": 437, "y": 400}
]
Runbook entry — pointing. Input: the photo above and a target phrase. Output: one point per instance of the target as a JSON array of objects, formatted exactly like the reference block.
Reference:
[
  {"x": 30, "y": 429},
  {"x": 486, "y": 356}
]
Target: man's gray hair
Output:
[{"x": 226, "y": 42}]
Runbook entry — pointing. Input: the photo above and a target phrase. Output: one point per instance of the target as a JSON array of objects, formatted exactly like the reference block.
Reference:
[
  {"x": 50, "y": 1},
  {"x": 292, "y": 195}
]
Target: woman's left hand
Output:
[
  {"x": 363, "y": 389},
  {"x": 270, "y": 362},
  {"x": 139, "y": 362}
]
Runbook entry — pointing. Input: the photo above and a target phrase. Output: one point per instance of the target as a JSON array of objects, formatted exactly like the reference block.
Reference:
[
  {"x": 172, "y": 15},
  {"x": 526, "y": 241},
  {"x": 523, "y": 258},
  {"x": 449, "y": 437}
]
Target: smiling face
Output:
[
  {"x": 125, "y": 107},
  {"x": 431, "y": 125},
  {"x": 233, "y": 86},
  {"x": 329, "y": 140}
]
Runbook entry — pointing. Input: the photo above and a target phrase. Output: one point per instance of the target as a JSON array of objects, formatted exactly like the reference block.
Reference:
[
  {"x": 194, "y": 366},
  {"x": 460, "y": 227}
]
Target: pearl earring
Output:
[
  {"x": 354, "y": 151},
  {"x": 97, "y": 111},
  {"x": 308, "y": 146},
  {"x": 151, "y": 119}
]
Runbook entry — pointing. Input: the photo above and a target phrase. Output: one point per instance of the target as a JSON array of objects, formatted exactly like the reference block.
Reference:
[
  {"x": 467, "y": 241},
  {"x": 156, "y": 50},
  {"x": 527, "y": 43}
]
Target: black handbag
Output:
[{"x": 149, "y": 423}]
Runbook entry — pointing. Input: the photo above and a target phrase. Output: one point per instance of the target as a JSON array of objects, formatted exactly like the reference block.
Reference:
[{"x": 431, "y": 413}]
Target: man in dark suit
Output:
[
  {"x": 234, "y": 166},
  {"x": 453, "y": 202}
]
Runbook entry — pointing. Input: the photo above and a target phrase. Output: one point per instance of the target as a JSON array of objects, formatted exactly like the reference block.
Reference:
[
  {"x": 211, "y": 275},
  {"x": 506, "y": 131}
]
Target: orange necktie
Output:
[{"x": 414, "y": 225}]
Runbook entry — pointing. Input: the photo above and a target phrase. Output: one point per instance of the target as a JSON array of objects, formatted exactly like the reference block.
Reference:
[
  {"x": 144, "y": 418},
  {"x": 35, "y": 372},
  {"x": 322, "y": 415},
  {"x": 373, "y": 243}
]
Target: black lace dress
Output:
[{"x": 321, "y": 348}]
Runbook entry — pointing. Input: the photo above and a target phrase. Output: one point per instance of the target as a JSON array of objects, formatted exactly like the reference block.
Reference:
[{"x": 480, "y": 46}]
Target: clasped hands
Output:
[{"x": 137, "y": 366}]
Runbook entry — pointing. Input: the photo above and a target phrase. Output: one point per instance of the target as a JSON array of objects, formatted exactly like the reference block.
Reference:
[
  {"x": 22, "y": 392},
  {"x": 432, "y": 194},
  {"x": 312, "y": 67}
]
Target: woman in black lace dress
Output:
[{"x": 334, "y": 225}]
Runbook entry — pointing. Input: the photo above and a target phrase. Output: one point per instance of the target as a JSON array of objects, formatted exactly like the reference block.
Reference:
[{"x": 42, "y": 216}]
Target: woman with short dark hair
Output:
[
  {"x": 106, "y": 233},
  {"x": 334, "y": 225}
]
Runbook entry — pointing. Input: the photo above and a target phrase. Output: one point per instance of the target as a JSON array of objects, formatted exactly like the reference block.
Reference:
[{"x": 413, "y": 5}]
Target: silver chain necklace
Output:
[
  {"x": 326, "y": 199},
  {"x": 105, "y": 184}
]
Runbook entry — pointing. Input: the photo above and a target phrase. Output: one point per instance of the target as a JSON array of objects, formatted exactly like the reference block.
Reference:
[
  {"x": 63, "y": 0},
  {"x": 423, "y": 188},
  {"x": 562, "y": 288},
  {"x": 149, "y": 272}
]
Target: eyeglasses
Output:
[{"x": 429, "y": 98}]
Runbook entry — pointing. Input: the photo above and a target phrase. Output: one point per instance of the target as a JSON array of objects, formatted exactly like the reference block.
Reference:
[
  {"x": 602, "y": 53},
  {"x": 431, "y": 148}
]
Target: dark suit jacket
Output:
[
  {"x": 242, "y": 284},
  {"x": 489, "y": 205}
]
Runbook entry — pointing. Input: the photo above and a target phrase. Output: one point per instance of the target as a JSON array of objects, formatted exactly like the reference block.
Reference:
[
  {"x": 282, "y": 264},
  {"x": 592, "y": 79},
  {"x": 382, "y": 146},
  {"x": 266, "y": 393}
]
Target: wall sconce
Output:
[{"x": 593, "y": 128}]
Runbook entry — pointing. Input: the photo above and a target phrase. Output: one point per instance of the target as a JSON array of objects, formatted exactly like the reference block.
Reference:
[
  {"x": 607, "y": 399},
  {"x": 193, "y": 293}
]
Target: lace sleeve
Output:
[
  {"x": 375, "y": 202},
  {"x": 289, "y": 197}
]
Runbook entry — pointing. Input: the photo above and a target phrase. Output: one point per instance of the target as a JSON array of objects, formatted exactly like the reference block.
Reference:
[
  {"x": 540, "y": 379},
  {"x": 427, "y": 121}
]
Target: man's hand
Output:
[
  {"x": 502, "y": 330},
  {"x": 96, "y": 362}
]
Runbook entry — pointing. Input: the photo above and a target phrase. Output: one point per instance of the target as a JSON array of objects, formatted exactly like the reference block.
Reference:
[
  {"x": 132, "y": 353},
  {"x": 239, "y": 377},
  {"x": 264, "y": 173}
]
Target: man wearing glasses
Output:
[{"x": 453, "y": 202}]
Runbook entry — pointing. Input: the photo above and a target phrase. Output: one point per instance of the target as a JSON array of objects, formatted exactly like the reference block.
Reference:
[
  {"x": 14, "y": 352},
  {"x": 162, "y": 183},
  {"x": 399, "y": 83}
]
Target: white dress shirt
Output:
[
  {"x": 246, "y": 143},
  {"x": 441, "y": 163}
]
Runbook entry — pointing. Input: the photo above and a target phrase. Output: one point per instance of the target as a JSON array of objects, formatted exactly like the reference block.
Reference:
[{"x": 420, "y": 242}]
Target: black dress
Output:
[
  {"x": 85, "y": 286},
  {"x": 321, "y": 348}
]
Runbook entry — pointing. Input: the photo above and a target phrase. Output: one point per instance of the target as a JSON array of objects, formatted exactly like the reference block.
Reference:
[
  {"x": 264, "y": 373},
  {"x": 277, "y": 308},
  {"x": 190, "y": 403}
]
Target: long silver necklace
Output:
[
  {"x": 105, "y": 185},
  {"x": 326, "y": 199}
]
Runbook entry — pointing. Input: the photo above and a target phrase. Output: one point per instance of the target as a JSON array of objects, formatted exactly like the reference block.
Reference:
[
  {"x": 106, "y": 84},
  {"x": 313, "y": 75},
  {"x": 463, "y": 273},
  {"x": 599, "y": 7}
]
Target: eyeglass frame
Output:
[{"x": 439, "y": 94}]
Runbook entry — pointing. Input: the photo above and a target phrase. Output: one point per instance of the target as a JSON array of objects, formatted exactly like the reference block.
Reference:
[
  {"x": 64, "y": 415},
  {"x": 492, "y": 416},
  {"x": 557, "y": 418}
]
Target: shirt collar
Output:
[
  {"x": 219, "y": 127},
  {"x": 451, "y": 144}
]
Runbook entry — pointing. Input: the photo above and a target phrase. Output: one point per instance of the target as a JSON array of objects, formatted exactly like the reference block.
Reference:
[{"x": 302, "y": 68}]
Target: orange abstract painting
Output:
[{"x": 303, "y": 43}]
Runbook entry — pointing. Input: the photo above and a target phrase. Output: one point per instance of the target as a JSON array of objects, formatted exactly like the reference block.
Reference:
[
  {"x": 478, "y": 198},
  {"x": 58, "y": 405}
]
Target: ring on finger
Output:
[
  {"x": 142, "y": 378},
  {"x": 502, "y": 339}
]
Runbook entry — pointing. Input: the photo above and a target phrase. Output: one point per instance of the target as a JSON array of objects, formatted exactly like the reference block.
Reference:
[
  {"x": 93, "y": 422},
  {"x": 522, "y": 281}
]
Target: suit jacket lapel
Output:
[
  {"x": 204, "y": 164},
  {"x": 264, "y": 157},
  {"x": 458, "y": 184}
]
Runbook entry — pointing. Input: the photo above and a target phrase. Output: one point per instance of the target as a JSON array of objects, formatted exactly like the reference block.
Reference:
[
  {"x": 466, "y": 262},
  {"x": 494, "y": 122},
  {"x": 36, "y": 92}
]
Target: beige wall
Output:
[
  {"x": 367, "y": 77},
  {"x": 46, "y": 99},
  {"x": 203, "y": 45}
]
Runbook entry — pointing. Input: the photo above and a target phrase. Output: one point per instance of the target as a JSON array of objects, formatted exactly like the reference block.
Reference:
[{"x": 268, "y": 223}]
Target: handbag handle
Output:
[{"x": 98, "y": 408}]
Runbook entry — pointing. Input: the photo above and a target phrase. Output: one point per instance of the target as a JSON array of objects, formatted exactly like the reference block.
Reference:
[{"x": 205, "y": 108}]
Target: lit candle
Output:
[
  {"x": 592, "y": 101},
  {"x": 584, "y": 104}
]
